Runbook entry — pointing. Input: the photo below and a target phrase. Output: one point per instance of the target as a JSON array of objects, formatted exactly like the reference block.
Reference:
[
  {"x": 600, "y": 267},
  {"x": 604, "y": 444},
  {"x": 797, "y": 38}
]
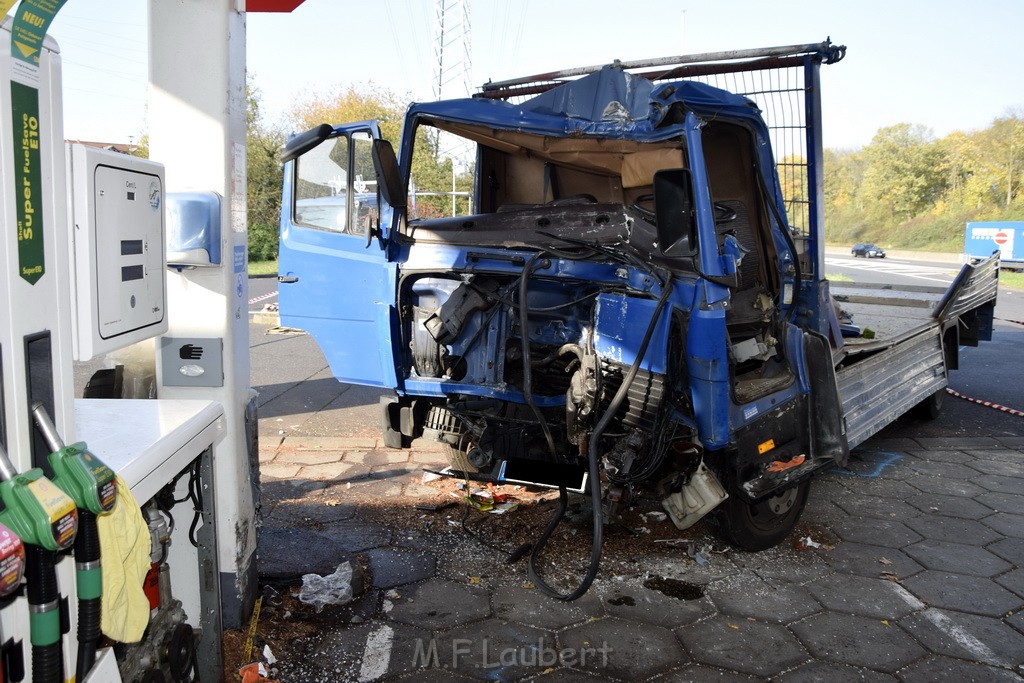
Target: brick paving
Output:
[{"x": 921, "y": 579}]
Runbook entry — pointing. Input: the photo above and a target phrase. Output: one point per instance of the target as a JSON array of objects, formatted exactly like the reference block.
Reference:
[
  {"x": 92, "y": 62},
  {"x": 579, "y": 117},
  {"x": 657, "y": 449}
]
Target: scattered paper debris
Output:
[
  {"x": 333, "y": 589},
  {"x": 655, "y": 516},
  {"x": 269, "y": 656}
]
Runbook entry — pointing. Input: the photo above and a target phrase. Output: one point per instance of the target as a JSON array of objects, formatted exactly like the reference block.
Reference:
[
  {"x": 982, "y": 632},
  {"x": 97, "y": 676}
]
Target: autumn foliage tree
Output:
[{"x": 908, "y": 189}]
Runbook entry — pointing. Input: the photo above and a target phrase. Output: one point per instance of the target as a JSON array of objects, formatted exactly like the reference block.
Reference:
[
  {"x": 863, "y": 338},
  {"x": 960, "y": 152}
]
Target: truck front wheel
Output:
[{"x": 761, "y": 525}]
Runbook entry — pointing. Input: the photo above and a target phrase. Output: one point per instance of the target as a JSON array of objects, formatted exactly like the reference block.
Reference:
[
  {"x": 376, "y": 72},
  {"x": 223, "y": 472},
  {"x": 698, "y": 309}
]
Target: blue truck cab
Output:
[{"x": 629, "y": 301}]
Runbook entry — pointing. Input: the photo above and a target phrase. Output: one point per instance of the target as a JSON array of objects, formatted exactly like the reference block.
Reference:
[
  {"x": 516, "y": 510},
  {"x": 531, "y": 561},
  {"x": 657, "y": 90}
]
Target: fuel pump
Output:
[
  {"x": 12, "y": 568},
  {"x": 12, "y": 562},
  {"x": 46, "y": 519},
  {"x": 90, "y": 484}
]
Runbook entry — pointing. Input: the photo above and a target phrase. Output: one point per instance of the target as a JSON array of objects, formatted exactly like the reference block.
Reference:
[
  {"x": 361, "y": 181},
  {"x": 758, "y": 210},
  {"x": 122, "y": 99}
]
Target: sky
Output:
[{"x": 946, "y": 64}]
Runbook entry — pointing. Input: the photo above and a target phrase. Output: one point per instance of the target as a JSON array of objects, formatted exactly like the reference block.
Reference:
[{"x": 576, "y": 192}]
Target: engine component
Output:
[
  {"x": 581, "y": 398},
  {"x": 179, "y": 651},
  {"x": 445, "y": 324},
  {"x": 426, "y": 352},
  {"x": 167, "y": 648},
  {"x": 619, "y": 460},
  {"x": 444, "y": 426}
]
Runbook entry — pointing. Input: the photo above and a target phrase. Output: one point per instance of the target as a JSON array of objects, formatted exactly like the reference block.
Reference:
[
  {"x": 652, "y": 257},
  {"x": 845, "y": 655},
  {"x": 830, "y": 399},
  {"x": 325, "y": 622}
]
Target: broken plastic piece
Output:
[
  {"x": 333, "y": 589},
  {"x": 699, "y": 497},
  {"x": 782, "y": 466},
  {"x": 251, "y": 673}
]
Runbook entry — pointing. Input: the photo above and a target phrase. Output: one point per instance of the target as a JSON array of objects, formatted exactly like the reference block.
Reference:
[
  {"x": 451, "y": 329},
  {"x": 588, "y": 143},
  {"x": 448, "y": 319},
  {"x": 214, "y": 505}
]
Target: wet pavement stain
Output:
[{"x": 674, "y": 588}]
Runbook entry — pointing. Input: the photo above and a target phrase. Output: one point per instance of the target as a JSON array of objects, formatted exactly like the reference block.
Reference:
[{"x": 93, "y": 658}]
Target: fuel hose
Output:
[
  {"x": 90, "y": 591},
  {"x": 594, "y": 473},
  {"x": 44, "y": 615}
]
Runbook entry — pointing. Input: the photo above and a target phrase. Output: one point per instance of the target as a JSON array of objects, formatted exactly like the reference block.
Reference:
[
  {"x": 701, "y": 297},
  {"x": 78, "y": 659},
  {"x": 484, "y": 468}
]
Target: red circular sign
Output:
[{"x": 1001, "y": 238}]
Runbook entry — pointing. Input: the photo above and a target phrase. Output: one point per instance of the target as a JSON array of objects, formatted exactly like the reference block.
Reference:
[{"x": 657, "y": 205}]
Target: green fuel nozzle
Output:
[
  {"x": 92, "y": 487},
  {"x": 36, "y": 510},
  {"x": 76, "y": 470}
]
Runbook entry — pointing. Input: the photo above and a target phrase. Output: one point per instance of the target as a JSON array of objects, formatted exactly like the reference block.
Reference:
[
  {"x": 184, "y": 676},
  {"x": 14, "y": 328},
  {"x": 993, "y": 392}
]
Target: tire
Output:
[
  {"x": 762, "y": 525},
  {"x": 457, "y": 460},
  {"x": 931, "y": 407}
]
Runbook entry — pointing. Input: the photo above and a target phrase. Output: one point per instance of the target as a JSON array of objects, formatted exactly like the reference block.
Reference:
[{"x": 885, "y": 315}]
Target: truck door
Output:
[{"x": 335, "y": 281}]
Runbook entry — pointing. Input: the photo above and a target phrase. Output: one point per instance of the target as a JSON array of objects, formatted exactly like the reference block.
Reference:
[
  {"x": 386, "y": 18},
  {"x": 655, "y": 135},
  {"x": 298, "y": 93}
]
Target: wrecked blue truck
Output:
[{"x": 632, "y": 295}]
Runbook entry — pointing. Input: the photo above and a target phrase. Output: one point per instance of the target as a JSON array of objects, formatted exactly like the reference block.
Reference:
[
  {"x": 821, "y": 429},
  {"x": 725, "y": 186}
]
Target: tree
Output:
[
  {"x": 264, "y": 180},
  {"x": 1008, "y": 135},
  {"x": 904, "y": 173},
  {"x": 431, "y": 168},
  {"x": 352, "y": 103},
  {"x": 844, "y": 214}
]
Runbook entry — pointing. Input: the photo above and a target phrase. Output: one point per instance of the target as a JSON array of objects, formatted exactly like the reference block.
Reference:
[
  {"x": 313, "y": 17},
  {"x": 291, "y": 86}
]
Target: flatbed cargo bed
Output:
[
  {"x": 911, "y": 341},
  {"x": 891, "y": 314}
]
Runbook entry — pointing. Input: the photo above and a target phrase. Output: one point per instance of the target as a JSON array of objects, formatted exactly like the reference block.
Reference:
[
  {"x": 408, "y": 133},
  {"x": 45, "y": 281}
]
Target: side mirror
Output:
[
  {"x": 674, "y": 208},
  {"x": 303, "y": 142},
  {"x": 389, "y": 178}
]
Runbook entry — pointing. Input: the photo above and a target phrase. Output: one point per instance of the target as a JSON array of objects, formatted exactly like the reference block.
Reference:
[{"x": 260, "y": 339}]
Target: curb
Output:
[{"x": 272, "y": 319}]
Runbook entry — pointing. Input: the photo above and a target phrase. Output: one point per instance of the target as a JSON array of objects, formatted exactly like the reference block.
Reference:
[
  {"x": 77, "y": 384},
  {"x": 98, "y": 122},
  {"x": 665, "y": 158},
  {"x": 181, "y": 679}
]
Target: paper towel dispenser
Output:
[{"x": 193, "y": 229}]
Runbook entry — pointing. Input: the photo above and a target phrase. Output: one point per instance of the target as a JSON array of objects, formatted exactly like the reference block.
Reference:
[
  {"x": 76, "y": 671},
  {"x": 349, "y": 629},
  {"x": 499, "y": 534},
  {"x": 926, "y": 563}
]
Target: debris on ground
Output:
[
  {"x": 285, "y": 330},
  {"x": 255, "y": 673},
  {"x": 806, "y": 542},
  {"x": 333, "y": 589}
]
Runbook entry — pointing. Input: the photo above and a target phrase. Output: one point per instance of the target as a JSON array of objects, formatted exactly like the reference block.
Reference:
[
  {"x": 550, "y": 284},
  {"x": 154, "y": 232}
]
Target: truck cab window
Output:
[
  {"x": 321, "y": 186},
  {"x": 441, "y": 183}
]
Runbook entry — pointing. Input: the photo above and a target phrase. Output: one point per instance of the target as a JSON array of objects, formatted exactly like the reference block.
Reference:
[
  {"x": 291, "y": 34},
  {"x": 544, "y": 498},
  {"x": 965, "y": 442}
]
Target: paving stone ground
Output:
[{"x": 919, "y": 578}]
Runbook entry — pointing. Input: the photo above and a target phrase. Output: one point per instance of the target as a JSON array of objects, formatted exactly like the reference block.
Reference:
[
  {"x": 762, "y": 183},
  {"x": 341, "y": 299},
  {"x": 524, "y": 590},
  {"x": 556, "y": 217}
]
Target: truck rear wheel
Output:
[
  {"x": 930, "y": 408},
  {"x": 760, "y": 525}
]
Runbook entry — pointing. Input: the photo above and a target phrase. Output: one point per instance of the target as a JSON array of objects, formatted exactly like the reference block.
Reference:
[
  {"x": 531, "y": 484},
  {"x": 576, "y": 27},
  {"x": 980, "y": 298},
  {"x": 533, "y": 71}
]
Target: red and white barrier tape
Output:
[
  {"x": 262, "y": 297},
  {"x": 987, "y": 404}
]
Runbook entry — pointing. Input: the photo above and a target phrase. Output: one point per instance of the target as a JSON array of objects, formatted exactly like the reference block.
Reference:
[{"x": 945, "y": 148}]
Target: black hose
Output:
[
  {"x": 524, "y": 322},
  {"x": 44, "y": 615},
  {"x": 88, "y": 636},
  {"x": 593, "y": 462},
  {"x": 87, "y": 561}
]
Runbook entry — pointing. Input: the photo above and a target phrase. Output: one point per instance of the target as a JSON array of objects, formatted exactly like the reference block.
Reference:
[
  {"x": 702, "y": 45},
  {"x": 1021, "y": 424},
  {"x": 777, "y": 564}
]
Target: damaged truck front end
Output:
[{"x": 619, "y": 308}]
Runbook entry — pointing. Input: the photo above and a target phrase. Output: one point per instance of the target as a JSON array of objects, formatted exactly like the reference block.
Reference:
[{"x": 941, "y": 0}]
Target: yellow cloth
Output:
[{"x": 124, "y": 548}]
